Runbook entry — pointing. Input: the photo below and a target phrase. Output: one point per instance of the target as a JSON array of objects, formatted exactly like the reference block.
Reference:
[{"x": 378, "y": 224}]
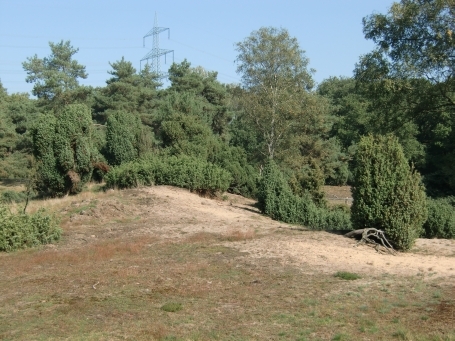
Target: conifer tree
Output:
[
  {"x": 63, "y": 148},
  {"x": 388, "y": 194}
]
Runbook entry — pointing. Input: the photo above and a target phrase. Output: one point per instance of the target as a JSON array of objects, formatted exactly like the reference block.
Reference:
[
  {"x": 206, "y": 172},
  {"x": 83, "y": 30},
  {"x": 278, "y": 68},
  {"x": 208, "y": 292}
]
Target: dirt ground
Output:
[{"x": 173, "y": 213}]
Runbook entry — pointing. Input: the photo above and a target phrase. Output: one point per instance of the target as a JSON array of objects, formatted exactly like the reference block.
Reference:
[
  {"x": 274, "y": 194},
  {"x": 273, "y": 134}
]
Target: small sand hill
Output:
[{"x": 176, "y": 213}]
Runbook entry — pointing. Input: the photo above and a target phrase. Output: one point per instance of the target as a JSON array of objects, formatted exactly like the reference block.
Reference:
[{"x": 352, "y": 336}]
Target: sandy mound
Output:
[{"x": 172, "y": 213}]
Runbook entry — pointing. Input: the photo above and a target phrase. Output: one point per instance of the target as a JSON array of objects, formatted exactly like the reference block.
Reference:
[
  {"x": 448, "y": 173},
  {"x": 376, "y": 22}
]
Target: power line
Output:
[
  {"x": 199, "y": 50},
  {"x": 75, "y": 38}
]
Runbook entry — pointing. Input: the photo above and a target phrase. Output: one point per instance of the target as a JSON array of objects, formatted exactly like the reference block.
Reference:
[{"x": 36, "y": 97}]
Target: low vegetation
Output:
[
  {"x": 182, "y": 171},
  {"x": 441, "y": 218},
  {"x": 277, "y": 201},
  {"x": 348, "y": 276},
  {"x": 21, "y": 230}
]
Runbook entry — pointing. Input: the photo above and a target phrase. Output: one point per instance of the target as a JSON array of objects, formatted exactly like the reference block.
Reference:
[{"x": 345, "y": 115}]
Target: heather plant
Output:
[{"x": 388, "y": 194}]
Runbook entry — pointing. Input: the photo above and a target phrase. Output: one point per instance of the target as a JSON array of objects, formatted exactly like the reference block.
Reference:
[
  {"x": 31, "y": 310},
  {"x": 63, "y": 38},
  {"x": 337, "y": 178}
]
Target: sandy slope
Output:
[{"x": 173, "y": 213}]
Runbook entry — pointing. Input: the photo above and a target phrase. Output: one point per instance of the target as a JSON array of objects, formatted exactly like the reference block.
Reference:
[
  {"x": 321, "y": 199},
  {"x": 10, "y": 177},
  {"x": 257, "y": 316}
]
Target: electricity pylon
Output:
[{"x": 156, "y": 52}]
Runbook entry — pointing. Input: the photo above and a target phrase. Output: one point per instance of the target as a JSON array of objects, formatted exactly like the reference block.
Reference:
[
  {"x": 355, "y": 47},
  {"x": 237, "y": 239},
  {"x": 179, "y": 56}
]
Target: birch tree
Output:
[{"x": 275, "y": 76}]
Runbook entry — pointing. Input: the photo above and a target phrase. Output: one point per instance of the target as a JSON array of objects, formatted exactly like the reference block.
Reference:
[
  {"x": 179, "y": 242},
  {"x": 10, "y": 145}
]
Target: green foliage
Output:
[
  {"x": 275, "y": 76},
  {"x": 55, "y": 77},
  {"x": 388, "y": 194},
  {"x": 182, "y": 171},
  {"x": 127, "y": 91},
  {"x": 172, "y": 307},
  {"x": 309, "y": 180},
  {"x": 244, "y": 177},
  {"x": 190, "y": 135},
  {"x": 15, "y": 166},
  {"x": 8, "y": 197},
  {"x": 64, "y": 151},
  {"x": 309, "y": 152},
  {"x": 17, "y": 112},
  {"x": 441, "y": 218},
  {"x": 21, "y": 230},
  {"x": 275, "y": 199},
  {"x": 3, "y": 92},
  {"x": 348, "y": 276},
  {"x": 349, "y": 107},
  {"x": 198, "y": 92},
  {"x": 122, "y": 137},
  {"x": 409, "y": 79}
]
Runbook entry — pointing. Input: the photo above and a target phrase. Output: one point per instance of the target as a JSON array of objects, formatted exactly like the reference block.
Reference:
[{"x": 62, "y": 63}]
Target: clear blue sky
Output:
[{"x": 202, "y": 31}]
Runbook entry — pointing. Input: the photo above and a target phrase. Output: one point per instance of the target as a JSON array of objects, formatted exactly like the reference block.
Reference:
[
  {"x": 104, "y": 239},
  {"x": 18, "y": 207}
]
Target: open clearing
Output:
[{"x": 160, "y": 263}]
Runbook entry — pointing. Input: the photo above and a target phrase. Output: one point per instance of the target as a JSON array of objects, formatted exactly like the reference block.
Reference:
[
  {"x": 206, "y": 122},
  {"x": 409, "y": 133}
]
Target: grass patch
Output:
[
  {"x": 341, "y": 337},
  {"x": 348, "y": 276},
  {"x": 172, "y": 307}
]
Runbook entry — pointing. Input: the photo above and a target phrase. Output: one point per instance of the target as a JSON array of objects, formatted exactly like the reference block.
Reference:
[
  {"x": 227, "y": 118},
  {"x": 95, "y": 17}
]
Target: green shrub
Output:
[
  {"x": 441, "y": 219},
  {"x": 124, "y": 133},
  {"x": 181, "y": 171},
  {"x": 309, "y": 179},
  {"x": 9, "y": 197},
  {"x": 276, "y": 199},
  {"x": 172, "y": 307},
  {"x": 243, "y": 176},
  {"x": 190, "y": 135},
  {"x": 388, "y": 194},
  {"x": 21, "y": 230}
]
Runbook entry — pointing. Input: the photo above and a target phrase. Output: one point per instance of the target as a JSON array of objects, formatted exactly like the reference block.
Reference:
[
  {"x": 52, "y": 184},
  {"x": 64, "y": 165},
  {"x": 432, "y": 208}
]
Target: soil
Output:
[{"x": 172, "y": 213}]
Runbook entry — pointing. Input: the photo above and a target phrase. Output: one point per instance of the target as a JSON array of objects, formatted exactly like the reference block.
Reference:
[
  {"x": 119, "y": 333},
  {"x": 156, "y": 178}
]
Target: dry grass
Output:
[
  {"x": 12, "y": 185},
  {"x": 338, "y": 195},
  {"x": 235, "y": 235},
  {"x": 114, "y": 287}
]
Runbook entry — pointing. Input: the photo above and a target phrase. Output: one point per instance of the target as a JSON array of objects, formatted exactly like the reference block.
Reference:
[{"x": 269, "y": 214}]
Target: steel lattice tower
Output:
[{"x": 156, "y": 53}]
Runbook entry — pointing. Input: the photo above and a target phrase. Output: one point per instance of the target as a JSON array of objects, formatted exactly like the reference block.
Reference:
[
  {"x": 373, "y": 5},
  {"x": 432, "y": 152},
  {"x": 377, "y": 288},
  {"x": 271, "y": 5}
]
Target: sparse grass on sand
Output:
[
  {"x": 136, "y": 284},
  {"x": 349, "y": 276}
]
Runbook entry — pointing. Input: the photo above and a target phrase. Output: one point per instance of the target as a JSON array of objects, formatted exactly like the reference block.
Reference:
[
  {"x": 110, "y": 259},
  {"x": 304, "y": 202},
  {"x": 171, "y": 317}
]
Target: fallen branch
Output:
[
  {"x": 94, "y": 285},
  {"x": 372, "y": 237}
]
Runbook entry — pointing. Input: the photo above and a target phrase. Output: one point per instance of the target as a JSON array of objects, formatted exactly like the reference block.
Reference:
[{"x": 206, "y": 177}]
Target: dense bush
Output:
[
  {"x": 441, "y": 218},
  {"x": 126, "y": 138},
  {"x": 275, "y": 199},
  {"x": 64, "y": 151},
  {"x": 26, "y": 230},
  {"x": 387, "y": 193},
  {"x": 309, "y": 180},
  {"x": 190, "y": 135},
  {"x": 243, "y": 176},
  {"x": 182, "y": 171}
]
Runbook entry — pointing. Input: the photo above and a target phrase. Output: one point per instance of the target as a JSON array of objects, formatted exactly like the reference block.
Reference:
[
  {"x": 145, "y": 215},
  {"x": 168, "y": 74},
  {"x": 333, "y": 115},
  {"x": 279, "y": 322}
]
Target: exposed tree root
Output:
[{"x": 374, "y": 238}]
